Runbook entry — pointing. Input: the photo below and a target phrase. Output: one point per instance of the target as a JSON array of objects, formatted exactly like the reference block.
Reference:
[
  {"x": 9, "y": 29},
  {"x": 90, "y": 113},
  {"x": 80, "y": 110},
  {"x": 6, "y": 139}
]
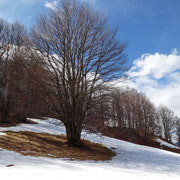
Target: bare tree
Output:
[
  {"x": 15, "y": 62},
  {"x": 81, "y": 53},
  {"x": 11, "y": 38},
  {"x": 132, "y": 109},
  {"x": 178, "y": 131},
  {"x": 25, "y": 76},
  {"x": 167, "y": 119}
]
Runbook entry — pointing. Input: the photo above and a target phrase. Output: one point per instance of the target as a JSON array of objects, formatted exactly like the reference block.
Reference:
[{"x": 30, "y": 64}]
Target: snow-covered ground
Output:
[
  {"x": 163, "y": 143},
  {"x": 132, "y": 161}
]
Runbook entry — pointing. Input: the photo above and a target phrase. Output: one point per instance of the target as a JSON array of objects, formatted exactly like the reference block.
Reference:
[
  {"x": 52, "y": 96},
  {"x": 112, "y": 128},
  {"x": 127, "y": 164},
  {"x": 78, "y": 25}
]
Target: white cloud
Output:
[
  {"x": 157, "y": 65},
  {"x": 51, "y": 5},
  {"x": 158, "y": 76}
]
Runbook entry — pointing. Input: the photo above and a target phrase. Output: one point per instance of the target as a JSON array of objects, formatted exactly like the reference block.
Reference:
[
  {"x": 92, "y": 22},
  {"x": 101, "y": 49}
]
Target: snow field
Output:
[{"x": 132, "y": 161}]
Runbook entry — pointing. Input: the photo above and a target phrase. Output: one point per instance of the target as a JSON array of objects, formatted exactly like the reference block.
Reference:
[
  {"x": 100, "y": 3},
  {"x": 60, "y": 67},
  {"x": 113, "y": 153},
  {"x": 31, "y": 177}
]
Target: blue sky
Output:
[
  {"x": 148, "y": 26},
  {"x": 23, "y": 11},
  {"x": 151, "y": 29}
]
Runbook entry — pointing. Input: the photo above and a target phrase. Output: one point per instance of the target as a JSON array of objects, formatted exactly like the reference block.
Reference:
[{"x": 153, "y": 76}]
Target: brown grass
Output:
[{"x": 46, "y": 145}]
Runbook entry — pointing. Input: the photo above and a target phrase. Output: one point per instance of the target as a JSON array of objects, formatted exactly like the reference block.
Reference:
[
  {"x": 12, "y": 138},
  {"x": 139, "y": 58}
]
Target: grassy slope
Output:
[{"x": 46, "y": 145}]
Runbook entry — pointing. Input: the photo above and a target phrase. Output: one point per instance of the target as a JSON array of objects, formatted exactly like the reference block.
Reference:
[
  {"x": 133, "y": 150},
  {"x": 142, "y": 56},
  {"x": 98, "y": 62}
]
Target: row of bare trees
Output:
[
  {"x": 20, "y": 74},
  {"x": 130, "y": 109},
  {"x": 133, "y": 110}
]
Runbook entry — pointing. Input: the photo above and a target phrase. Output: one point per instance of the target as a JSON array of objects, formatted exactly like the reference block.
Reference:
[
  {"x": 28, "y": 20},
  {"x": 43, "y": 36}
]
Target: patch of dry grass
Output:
[{"x": 46, "y": 145}]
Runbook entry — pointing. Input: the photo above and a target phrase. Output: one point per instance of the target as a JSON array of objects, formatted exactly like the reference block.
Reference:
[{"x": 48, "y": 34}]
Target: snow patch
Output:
[
  {"x": 2, "y": 133},
  {"x": 163, "y": 143}
]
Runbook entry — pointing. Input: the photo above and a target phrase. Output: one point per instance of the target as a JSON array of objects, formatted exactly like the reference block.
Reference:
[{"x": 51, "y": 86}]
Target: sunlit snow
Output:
[{"x": 132, "y": 161}]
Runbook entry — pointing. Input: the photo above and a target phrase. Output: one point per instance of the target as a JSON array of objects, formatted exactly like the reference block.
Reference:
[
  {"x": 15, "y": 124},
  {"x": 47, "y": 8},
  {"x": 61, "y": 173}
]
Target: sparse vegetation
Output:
[{"x": 54, "y": 146}]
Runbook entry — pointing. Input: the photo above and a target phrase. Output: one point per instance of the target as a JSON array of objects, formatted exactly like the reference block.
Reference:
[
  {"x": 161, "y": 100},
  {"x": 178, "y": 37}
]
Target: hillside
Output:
[
  {"x": 131, "y": 160},
  {"x": 137, "y": 137}
]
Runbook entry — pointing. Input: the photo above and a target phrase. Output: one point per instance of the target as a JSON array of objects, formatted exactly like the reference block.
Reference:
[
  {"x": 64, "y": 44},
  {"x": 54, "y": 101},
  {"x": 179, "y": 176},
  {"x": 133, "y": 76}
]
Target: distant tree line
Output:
[
  {"x": 126, "y": 108},
  {"x": 20, "y": 75}
]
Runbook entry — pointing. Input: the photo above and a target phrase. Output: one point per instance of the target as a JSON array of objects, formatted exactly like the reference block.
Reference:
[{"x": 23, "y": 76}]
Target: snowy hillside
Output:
[{"x": 132, "y": 161}]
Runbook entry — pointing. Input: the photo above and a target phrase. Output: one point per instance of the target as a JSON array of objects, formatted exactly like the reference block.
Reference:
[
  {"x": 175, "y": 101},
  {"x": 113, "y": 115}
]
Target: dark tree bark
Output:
[{"x": 73, "y": 133}]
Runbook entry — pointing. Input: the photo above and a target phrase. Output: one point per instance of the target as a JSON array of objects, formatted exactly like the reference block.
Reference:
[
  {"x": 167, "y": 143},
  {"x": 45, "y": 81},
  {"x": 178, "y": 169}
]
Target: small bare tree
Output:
[
  {"x": 178, "y": 131},
  {"x": 81, "y": 53},
  {"x": 168, "y": 120}
]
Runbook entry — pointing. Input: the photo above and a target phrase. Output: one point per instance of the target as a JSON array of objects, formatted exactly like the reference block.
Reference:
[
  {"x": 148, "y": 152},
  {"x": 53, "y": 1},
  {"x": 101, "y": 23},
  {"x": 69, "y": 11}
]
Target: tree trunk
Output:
[
  {"x": 73, "y": 133},
  {"x": 4, "y": 106}
]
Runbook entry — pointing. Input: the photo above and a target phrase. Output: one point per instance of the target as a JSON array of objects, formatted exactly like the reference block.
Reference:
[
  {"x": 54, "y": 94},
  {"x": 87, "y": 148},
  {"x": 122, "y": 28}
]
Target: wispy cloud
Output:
[{"x": 51, "y": 5}]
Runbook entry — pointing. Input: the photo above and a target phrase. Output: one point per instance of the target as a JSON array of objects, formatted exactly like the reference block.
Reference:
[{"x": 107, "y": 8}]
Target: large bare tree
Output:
[{"x": 80, "y": 52}]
